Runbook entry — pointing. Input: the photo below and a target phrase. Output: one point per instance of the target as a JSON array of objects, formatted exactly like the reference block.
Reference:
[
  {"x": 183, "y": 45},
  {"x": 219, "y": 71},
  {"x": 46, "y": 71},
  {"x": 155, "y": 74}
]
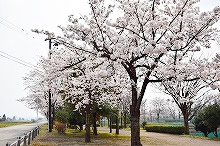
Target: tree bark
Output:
[
  {"x": 186, "y": 124},
  {"x": 94, "y": 124},
  {"x": 80, "y": 127},
  {"x": 117, "y": 125},
  {"x": 108, "y": 121},
  {"x": 135, "y": 128},
  {"x": 87, "y": 135},
  {"x": 158, "y": 117},
  {"x": 110, "y": 127},
  {"x": 53, "y": 116},
  {"x": 135, "y": 116},
  {"x": 121, "y": 120},
  {"x": 125, "y": 121}
]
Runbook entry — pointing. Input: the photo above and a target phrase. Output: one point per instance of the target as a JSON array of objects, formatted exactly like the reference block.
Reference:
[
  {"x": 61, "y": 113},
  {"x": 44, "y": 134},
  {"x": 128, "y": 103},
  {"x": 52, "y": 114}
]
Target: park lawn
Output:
[
  {"x": 7, "y": 124},
  {"x": 75, "y": 138}
]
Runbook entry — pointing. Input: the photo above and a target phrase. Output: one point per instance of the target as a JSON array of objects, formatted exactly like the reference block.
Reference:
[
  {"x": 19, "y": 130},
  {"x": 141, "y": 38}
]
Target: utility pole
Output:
[
  {"x": 37, "y": 109},
  {"x": 49, "y": 92}
]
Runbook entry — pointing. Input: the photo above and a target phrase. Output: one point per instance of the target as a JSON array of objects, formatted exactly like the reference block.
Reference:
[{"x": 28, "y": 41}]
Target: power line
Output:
[
  {"x": 18, "y": 59},
  {"x": 11, "y": 23},
  {"x": 14, "y": 27},
  {"x": 20, "y": 62}
]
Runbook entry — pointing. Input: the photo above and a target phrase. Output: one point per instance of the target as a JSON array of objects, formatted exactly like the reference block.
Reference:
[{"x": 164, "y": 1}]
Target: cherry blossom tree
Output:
[
  {"x": 147, "y": 37},
  {"x": 158, "y": 106},
  {"x": 85, "y": 84},
  {"x": 38, "y": 88},
  {"x": 190, "y": 97},
  {"x": 172, "y": 108}
]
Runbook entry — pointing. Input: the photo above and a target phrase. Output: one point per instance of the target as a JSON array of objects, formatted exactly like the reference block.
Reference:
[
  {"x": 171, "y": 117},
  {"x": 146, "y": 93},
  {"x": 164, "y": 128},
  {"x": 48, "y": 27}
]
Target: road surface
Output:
[
  {"x": 173, "y": 140},
  {"x": 10, "y": 134}
]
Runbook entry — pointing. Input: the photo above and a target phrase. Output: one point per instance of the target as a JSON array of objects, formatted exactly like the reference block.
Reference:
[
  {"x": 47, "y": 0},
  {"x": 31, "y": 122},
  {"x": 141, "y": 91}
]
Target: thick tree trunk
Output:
[
  {"x": 135, "y": 128},
  {"x": 94, "y": 124},
  {"x": 186, "y": 124},
  {"x": 137, "y": 99},
  {"x": 87, "y": 135},
  {"x": 53, "y": 116},
  {"x": 135, "y": 115},
  {"x": 80, "y": 127},
  {"x": 117, "y": 125},
  {"x": 110, "y": 126},
  {"x": 125, "y": 121},
  {"x": 108, "y": 121}
]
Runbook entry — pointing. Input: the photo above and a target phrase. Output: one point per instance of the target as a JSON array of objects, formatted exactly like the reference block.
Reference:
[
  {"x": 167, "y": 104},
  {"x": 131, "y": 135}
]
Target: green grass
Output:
[
  {"x": 203, "y": 137},
  {"x": 7, "y": 124},
  {"x": 211, "y": 135},
  {"x": 76, "y": 138}
]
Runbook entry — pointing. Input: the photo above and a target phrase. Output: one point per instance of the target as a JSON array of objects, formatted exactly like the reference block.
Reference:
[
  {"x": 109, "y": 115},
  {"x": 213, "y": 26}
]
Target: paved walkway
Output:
[
  {"x": 10, "y": 134},
  {"x": 177, "y": 140}
]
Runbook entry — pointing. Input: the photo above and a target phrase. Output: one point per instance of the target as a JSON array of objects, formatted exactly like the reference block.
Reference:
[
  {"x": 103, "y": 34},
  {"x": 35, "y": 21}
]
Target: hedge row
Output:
[{"x": 165, "y": 129}]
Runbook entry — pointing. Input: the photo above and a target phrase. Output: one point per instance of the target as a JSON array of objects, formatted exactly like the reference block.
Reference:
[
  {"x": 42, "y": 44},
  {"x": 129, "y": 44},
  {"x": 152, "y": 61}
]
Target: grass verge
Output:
[{"x": 7, "y": 124}]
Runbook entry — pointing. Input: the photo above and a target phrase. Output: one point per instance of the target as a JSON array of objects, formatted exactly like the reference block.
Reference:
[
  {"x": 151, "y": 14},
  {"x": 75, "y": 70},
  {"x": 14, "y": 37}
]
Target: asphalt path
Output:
[
  {"x": 10, "y": 134},
  {"x": 173, "y": 140}
]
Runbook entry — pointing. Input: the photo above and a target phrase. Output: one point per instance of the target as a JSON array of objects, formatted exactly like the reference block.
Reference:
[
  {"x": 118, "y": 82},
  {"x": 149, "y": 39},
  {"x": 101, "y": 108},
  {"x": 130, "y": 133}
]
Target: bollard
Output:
[
  {"x": 19, "y": 141},
  {"x": 35, "y": 133},
  {"x": 25, "y": 139},
  {"x": 29, "y": 138},
  {"x": 38, "y": 131},
  {"x": 32, "y": 134}
]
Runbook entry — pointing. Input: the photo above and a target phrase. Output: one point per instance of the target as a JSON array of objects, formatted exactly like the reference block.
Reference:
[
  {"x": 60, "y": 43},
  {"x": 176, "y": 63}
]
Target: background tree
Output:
[
  {"x": 208, "y": 120},
  {"x": 69, "y": 115},
  {"x": 143, "y": 110},
  {"x": 189, "y": 96},
  {"x": 199, "y": 124},
  {"x": 172, "y": 108},
  {"x": 158, "y": 106},
  {"x": 212, "y": 117},
  {"x": 4, "y": 117}
]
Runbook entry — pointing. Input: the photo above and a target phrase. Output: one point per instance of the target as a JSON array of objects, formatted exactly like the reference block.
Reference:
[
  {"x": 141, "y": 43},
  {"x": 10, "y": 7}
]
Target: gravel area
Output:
[{"x": 177, "y": 140}]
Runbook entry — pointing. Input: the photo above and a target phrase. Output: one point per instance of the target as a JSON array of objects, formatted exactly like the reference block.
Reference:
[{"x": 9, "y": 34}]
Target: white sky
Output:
[{"x": 26, "y": 15}]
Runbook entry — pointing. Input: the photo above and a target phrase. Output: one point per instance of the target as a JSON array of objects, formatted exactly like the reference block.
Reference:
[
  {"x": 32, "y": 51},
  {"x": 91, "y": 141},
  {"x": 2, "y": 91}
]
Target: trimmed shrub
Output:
[
  {"x": 60, "y": 127},
  {"x": 165, "y": 129}
]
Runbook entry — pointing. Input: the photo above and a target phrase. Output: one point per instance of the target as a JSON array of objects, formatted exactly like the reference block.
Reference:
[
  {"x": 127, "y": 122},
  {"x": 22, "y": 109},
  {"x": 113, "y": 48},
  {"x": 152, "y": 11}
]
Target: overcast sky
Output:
[{"x": 17, "y": 18}]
